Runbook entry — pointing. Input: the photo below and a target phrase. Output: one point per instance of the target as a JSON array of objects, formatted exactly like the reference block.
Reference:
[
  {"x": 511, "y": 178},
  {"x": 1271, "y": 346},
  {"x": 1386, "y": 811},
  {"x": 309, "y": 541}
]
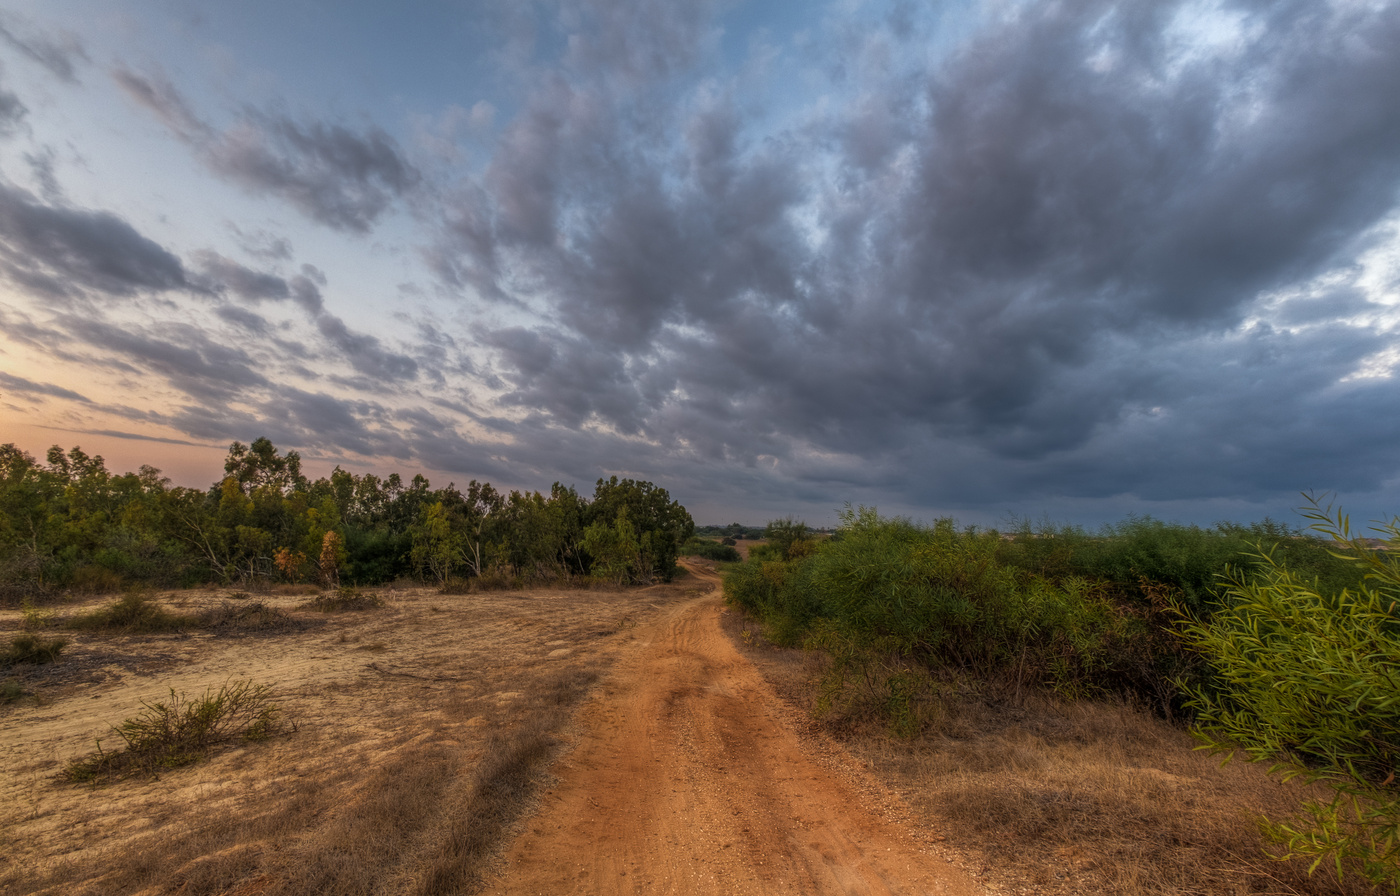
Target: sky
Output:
[{"x": 1066, "y": 261}]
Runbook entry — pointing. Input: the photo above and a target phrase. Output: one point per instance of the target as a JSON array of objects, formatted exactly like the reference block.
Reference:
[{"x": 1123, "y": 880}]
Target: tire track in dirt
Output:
[{"x": 685, "y": 779}]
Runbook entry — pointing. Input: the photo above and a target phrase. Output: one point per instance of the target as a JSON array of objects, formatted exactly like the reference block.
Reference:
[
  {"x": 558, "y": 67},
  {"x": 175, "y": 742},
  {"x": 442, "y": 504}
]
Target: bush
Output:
[
  {"x": 346, "y": 599},
  {"x": 252, "y": 616},
  {"x": 134, "y": 612},
  {"x": 182, "y": 731},
  {"x": 27, "y": 648},
  {"x": 888, "y": 598},
  {"x": 11, "y": 691},
  {"x": 710, "y": 550},
  {"x": 1308, "y": 681}
]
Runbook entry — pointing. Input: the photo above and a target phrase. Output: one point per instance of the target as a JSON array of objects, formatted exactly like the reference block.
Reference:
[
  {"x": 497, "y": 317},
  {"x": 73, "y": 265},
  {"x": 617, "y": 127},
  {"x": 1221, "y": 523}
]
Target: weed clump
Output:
[
  {"x": 32, "y": 649},
  {"x": 229, "y": 617},
  {"x": 11, "y": 691},
  {"x": 346, "y": 599},
  {"x": 134, "y": 612},
  {"x": 180, "y": 731}
]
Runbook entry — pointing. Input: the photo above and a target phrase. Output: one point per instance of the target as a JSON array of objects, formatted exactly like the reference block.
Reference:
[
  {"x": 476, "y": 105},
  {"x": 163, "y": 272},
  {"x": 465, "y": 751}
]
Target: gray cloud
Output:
[
  {"x": 29, "y": 387},
  {"x": 52, "y": 249},
  {"x": 331, "y": 173},
  {"x": 59, "y": 56},
  {"x": 12, "y": 110},
  {"x": 365, "y": 352},
  {"x": 999, "y": 258},
  {"x": 246, "y": 283}
]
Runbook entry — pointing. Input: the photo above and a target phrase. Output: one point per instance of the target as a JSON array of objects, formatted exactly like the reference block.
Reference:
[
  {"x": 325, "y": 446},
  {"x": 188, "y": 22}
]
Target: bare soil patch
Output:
[
  {"x": 689, "y": 776},
  {"x": 423, "y": 727},
  {"x": 1037, "y": 796}
]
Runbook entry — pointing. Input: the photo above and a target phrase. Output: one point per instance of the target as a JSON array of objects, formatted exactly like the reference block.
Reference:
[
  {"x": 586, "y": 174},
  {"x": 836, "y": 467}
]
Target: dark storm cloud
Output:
[
  {"x": 54, "y": 248},
  {"x": 1002, "y": 258},
  {"x": 338, "y": 176}
]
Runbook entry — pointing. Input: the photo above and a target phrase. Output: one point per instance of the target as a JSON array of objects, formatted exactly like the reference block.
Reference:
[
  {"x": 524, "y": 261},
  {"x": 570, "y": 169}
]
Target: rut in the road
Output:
[{"x": 686, "y": 780}]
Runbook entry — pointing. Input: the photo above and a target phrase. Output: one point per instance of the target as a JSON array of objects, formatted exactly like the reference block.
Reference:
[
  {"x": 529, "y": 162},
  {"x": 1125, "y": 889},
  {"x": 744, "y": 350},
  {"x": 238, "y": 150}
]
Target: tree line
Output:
[{"x": 70, "y": 523}]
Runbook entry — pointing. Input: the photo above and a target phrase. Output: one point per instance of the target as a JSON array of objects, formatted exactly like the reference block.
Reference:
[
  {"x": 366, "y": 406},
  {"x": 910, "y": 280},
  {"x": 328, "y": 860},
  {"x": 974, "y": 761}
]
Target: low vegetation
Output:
[
  {"x": 707, "y": 549},
  {"x": 1268, "y": 639},
  {"x": 181, "y": 731},
  {"x": 346, "y": 599},
  {"x": 135, "y": 612},
  {"x": 31, "y": 649}
]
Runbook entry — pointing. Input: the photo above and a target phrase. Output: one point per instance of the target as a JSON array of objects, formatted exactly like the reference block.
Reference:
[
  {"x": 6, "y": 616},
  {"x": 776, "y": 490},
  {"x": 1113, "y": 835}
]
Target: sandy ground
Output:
[
  {"x": 689, "y": 776},
  {"x": 683, "y": 773}
]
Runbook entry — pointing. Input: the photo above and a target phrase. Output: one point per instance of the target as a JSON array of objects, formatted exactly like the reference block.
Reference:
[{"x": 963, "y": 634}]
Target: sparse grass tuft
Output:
[
  {"x": 32, "y": 649},
  {"x": 182, "y": 731},
  {"x": 34, "y": 618},
  {"x": 134, "y": 612},
  {"x": 11, "y": 691},
  {"x": 346, "y": 599}
]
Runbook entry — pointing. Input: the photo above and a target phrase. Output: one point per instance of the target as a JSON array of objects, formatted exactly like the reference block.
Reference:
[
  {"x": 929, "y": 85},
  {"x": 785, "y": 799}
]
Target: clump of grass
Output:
[
  {"x": 11, "y": 691},
  {"x": 34, "y": 618},
  {"x": 181, "y": 731},
  {"x": 32, "y": 649},
  {"x": 135, "y": 611},
  {"x": 346, "y": 599}
]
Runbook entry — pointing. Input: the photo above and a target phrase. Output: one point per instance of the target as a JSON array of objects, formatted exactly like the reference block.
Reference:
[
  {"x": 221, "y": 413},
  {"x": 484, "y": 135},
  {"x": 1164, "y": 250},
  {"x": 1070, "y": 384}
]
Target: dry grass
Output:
[
  {"x": 1043, "y": 797},
  {"x": 425, "y": 728}
]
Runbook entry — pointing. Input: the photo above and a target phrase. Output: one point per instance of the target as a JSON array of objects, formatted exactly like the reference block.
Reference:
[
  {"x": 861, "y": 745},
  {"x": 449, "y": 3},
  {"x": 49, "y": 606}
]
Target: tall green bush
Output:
[{"x": 1311, "y": 682}]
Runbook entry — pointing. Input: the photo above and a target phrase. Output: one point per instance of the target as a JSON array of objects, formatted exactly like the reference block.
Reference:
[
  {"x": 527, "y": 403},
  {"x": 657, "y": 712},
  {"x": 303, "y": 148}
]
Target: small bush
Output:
[
  {"x": 182, "y": 731},
  {"x": 710, "y": 550},
  {"x": 27, "y": 648},
  {"x": 1307, "y": 681},
  {"x": 134, "y": 612},
  {"x": 11, "y": 691},
  {"x": 256, "y": 616},
  {"x": 346, "y": 599},
  {"x": 34, "y": 618}
]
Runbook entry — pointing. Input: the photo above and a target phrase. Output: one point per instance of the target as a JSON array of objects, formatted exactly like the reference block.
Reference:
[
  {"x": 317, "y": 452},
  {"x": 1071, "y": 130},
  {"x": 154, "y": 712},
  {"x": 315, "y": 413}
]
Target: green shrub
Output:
[
  {"x": 182, "y": 731},
  {"x": 32, "y": 649},
  {"x": 133, "y": 612},
  {"x": 710, "y": 550},
  {"x": 1309, "y": 681}
]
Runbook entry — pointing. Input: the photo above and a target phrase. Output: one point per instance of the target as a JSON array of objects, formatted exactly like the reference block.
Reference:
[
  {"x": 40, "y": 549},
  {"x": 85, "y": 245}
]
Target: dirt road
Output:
[{"x": 687, "y": 780}]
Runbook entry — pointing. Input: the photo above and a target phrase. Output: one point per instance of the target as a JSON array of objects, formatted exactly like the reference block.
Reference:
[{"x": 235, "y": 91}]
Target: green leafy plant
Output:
[
  {"x": 181, "y": 730},
  {"x": 1311, "y": 682}
]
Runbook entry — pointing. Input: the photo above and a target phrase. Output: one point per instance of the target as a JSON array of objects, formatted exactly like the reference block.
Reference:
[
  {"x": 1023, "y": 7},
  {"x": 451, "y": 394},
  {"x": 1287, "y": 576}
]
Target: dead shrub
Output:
[
  {"x": 231, "y": 618},
  {"x": 182, "y": 731},
  {"x": 346, "y": 599}
]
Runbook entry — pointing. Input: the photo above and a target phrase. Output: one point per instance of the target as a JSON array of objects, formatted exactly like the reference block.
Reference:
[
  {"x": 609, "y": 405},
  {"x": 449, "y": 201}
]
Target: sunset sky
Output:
[{"x": 1064, "y": 259}]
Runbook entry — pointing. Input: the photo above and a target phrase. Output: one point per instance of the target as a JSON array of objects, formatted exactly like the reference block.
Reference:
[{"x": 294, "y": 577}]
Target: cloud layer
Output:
[{"x": 1088, "y": 254}]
